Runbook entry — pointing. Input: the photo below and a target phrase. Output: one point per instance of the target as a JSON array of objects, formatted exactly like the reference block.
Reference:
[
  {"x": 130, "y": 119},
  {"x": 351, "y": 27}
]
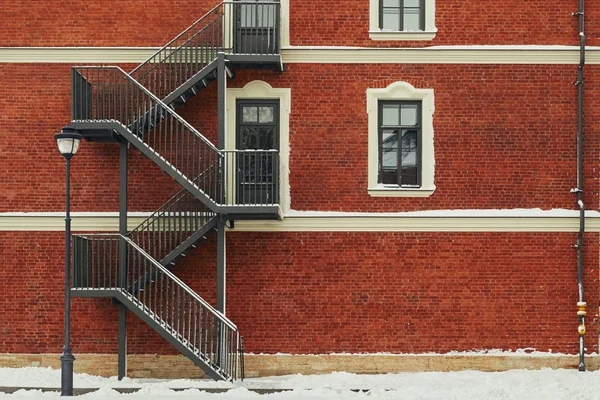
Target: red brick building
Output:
[{"x": 383, "y": 178}]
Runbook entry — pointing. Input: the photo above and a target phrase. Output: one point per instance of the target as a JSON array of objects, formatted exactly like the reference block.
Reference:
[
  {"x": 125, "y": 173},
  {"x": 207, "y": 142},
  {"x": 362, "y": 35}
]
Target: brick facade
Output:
[
  {"x": 362, "y": 293},
  {"x": 486, "y": 155},
  {"x": 504, "y": 138},
  {"x": 312, "y": 23}
]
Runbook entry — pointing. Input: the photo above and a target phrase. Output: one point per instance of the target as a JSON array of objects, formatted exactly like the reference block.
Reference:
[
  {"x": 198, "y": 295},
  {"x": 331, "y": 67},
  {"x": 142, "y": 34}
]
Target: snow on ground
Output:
[{"x": 464, "y": 385}]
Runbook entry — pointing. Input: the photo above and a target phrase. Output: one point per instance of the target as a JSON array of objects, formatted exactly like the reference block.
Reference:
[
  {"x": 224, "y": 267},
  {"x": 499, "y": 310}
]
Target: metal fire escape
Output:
[{"x": 138, "y": 109}]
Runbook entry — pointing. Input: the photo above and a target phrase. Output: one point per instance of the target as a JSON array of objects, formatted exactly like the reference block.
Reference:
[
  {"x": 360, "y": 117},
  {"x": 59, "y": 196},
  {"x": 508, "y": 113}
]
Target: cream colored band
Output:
[
  {"x": 328, "y": 55},
  {"x": 434, "y": 221}
]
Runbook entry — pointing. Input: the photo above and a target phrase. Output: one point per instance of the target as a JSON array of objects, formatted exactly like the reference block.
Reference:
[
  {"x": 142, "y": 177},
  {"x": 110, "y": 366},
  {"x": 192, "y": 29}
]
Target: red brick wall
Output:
[
  {"x": 408, "y": 292},
  {"x": 362, "y": 292},
  {"x": 513, "y": 22},
  {"x": 312, "y": 22},
  {"x": 35, "y": 104},
  {"x": 99, "y": 23},
  {"x": 505, "y": 137}
]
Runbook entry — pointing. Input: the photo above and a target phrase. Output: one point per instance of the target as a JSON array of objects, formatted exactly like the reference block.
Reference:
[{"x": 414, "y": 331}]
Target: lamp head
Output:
[{"x": 68, "y": 141}]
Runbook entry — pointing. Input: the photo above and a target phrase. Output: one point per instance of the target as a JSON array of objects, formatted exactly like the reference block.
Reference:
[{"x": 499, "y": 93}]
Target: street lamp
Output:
[{"x": 67, "y": 142}]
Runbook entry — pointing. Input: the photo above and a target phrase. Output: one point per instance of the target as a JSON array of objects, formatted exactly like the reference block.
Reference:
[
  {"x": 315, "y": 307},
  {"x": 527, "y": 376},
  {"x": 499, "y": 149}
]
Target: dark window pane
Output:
[
  {"x": 249, "y": 114},
  {"x": 391, "y": 3},
  {"x": 265, "y": 114},
  {"x": 266, "y": 139},
  {"x": 390, "y": 158},
  {"x": 390, "y": 139},
  {"x": 409, "y": 114},
  {"x": 391, "y": 19},
  {"x": 409, "y": 139},
  {"x": 409, "y": 158},
  {"x": 390, "y": 114},
  {"x": 411, "y": 19},
  {"x": 389, "y": 177},
  {"x": 409, "y": 176}
]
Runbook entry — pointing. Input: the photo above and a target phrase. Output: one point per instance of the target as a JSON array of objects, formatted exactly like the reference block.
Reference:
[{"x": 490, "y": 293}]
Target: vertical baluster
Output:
[
  {"x": 203, "y": 331},
  {"x": 177, "y": 305},
  {"x": 110, "y": 266},
  {"x": 76, "y": 256},
  {"x": 145, "y": 277},
  {"x": 98, "y": 262},
  {"x": 189, "y": 319},
  {"x": 167, "y": 301},
  {"x": 162, "y": 289},
  {"x": 150, "y": 288},
  {"x": 182, "y": 314},
  {"x": 213, "y": 338},
  {"x": 114, "y": 95},
  {"x": 195, "y": 326}
]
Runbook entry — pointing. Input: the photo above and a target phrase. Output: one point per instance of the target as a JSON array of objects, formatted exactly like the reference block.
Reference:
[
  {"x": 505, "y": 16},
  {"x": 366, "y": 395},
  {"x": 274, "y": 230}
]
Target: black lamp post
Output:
[{"x": 67, "y": 142}]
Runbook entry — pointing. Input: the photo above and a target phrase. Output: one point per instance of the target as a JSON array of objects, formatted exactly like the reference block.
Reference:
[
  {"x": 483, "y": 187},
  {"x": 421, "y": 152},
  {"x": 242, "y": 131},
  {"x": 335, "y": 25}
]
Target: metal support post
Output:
[
  {"x": 66, "y": 359},
  {"x": 122, "y": 357},
  {"x": 221, "y": 263},
  {"x": 222, "y": 82}
]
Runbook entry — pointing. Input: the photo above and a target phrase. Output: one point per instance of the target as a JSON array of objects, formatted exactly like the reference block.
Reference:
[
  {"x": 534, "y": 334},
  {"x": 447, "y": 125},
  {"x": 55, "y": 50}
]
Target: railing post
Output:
[
  {"x": 221, "y": 262},
  {"x": 122, "y": 367},
  {"x": 222, "y": 87}
]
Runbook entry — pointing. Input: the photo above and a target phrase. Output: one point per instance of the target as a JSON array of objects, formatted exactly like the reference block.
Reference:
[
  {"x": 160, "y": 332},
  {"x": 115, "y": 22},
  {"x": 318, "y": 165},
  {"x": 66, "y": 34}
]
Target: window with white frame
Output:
[
  {"x": 401, "y": 157},
  {"x": 402, "y": 20}
]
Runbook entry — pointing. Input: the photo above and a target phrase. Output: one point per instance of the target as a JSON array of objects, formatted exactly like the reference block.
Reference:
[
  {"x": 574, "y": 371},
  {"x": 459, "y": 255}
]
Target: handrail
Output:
[
  {"x": 107, "y": 263},
  {"x": 193, "y": 25},
  {"x": 175, "y": 38},
  {"x": 174, "y": 199},
  {"x": 181, "y": 283},
  {"x": 152, "y": 96},
  {"x": 240, "y": 27},
  {"x": 163, "y": 270}
]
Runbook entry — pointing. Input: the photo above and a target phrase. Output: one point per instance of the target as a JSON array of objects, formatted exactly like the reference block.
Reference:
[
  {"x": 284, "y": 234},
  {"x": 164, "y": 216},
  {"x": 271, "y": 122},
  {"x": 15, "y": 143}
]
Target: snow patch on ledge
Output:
[
  {"x": 489, "y": 213},
  {"x": 526, "y": 352},
  {"x": 463, "y": 47}
]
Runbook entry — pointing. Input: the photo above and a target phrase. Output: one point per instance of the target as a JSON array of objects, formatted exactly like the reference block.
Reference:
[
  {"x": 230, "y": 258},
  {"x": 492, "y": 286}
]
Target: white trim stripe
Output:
[
  {"x": 329, "y": 55},
  {"x": 443, "y": 221}
]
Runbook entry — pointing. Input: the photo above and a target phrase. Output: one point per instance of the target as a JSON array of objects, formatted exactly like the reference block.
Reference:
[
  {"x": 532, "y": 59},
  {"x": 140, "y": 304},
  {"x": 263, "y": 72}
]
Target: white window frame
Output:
[
  {"x": 401, "y": 91},
  {"x": 262, "y": 90},
  {"x": 376, "y": 33}
]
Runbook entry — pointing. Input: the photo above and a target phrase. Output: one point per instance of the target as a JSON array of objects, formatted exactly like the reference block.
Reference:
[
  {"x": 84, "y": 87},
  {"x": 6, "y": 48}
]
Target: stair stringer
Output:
[
  {"x": 160, "y": 161},
  {"x": 126, "y": 298}
]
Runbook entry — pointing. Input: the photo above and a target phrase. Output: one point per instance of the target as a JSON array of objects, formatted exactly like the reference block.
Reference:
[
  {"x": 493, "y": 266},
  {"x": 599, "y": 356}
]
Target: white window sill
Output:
[
  {"x": 402, "y": 35},
  {"x": 381, "y": 191}
]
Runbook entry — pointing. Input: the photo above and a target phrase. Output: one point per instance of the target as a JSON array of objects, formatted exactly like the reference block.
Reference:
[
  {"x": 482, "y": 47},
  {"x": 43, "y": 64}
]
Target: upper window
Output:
[
  {"x": 399, "y": 140},
  {"x": 400, "y": 155},
  {"x": 402, "y": 15},
  {"x": 402, "y": 20}
]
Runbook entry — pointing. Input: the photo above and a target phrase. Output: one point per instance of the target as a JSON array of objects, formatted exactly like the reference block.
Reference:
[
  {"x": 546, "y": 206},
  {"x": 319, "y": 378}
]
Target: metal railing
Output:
[
  {"x": 239, "y": 27},
  {"x": 112, "y": 95},
  {"x": 113, "y": 262},
  {"x": 252, "y": 177},
  {"x": 227, "y": 177},
  {"x": 171, "y": 225}
]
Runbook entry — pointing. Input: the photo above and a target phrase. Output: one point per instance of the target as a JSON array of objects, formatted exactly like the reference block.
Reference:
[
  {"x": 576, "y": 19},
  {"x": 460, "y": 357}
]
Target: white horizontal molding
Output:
[
  {"x": 51, "y": 221},
  {"x": 442, "y": 55},
  {"x": 75, "y": 54},
  {"x": 525, "y": 220},
  {"x": 528, "y": 54}
]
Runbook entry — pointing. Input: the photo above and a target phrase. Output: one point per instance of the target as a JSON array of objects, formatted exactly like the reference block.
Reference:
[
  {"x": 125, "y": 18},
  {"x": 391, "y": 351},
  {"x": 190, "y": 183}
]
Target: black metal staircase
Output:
[{"x": 109, "y": 104}]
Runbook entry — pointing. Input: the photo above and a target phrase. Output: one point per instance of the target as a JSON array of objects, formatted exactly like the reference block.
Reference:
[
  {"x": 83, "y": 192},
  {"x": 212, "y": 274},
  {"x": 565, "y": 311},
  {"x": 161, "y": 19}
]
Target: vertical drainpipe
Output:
[{"x": 581, "y": 304}]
